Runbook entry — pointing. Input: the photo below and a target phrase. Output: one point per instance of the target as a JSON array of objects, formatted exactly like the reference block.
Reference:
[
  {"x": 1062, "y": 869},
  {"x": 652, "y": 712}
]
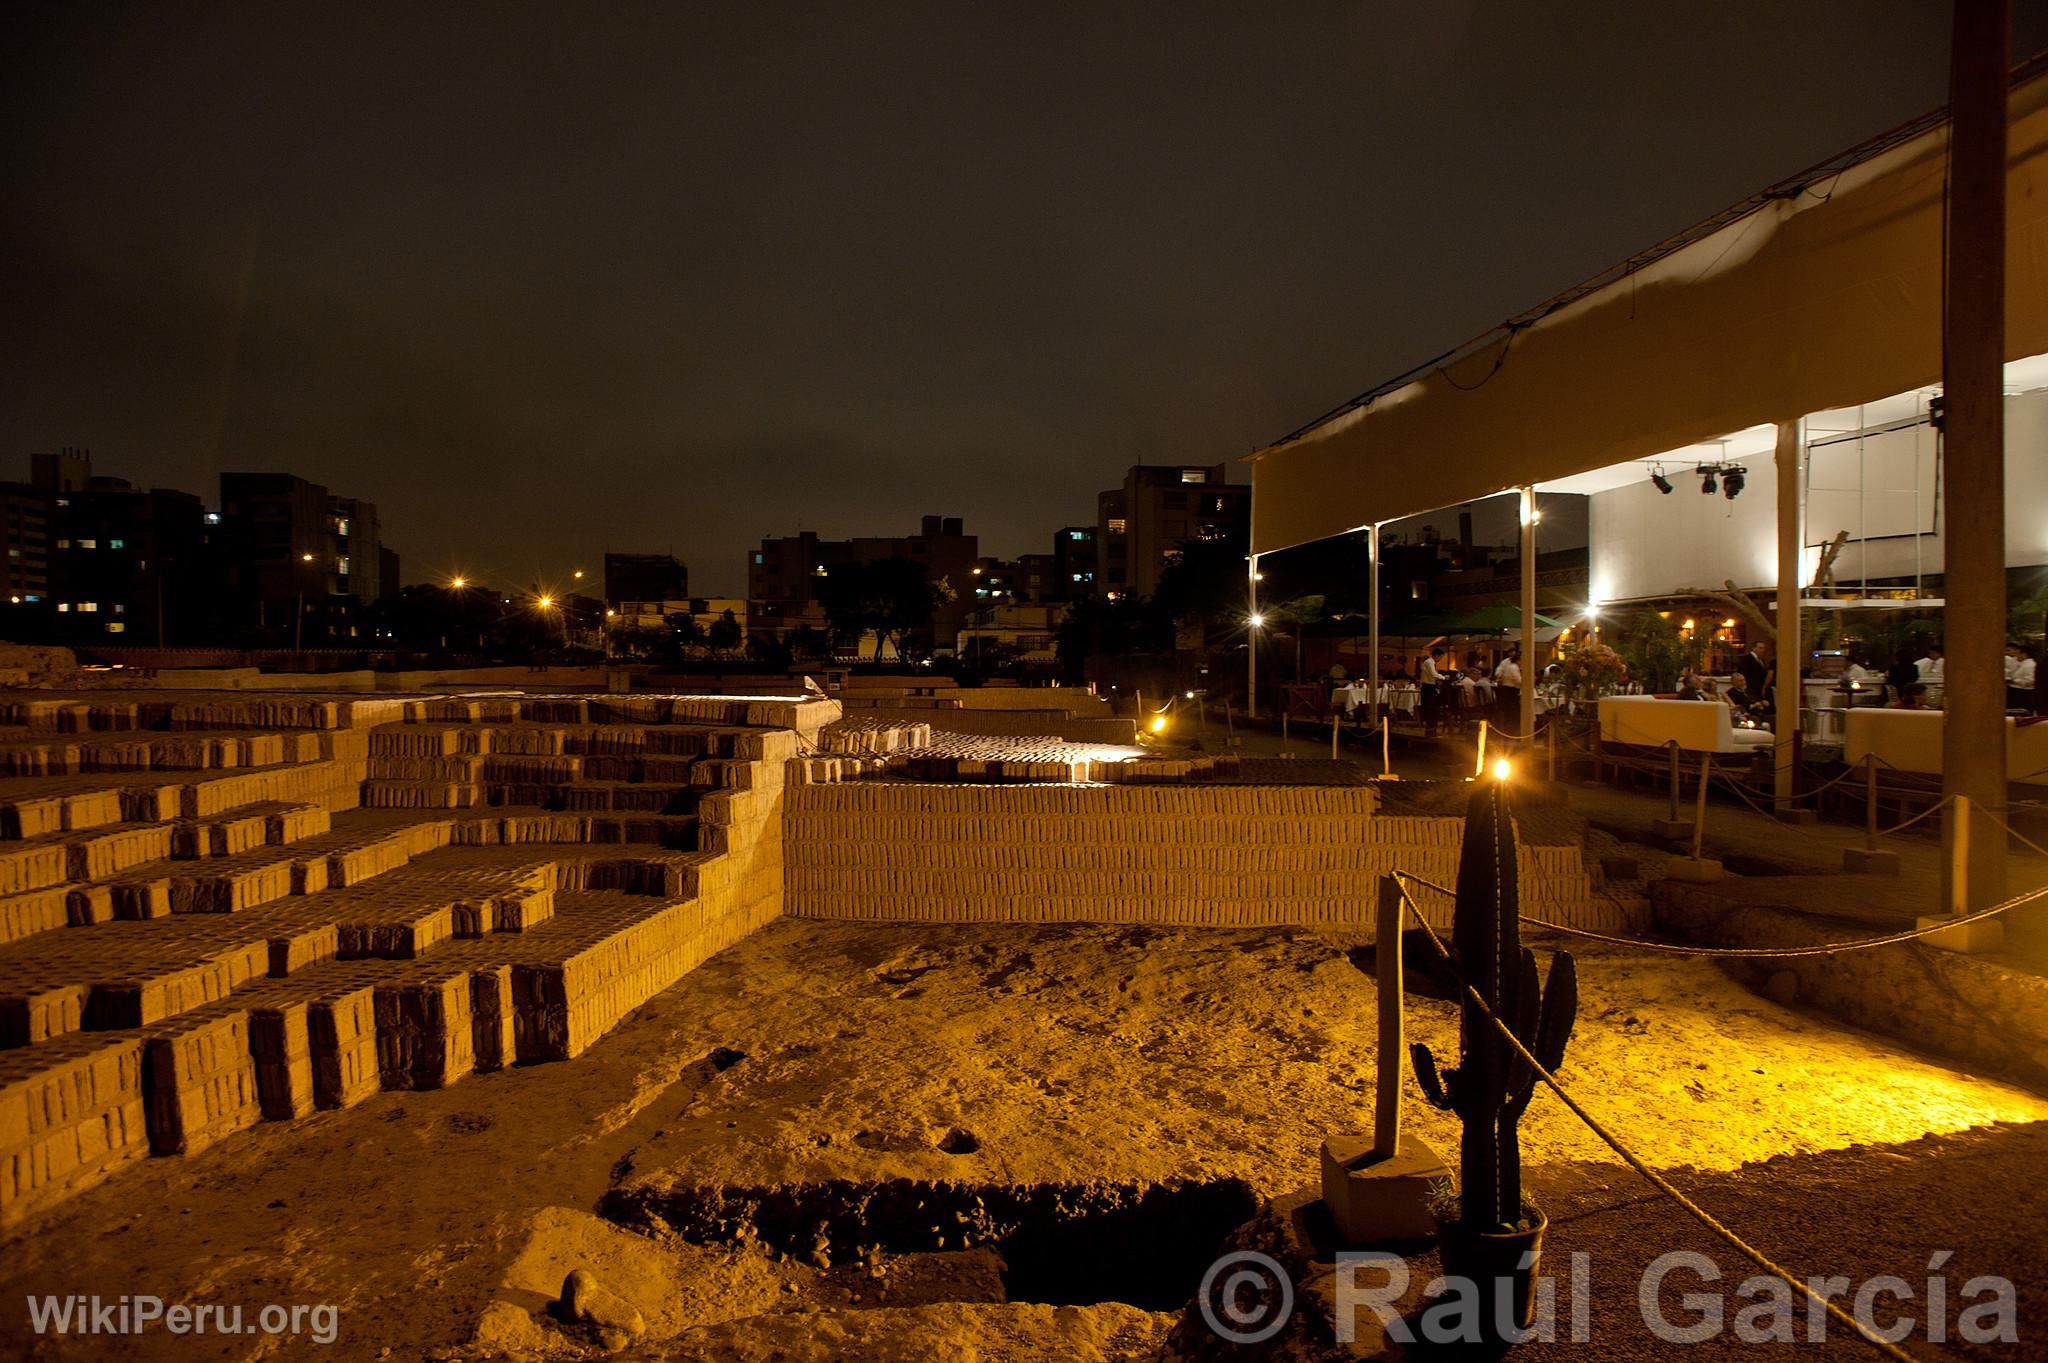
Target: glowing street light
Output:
[
  {"x": 1256, "y": 621},
  {"x": 305, "y": 558},
  {"x": 544, "y": 602},
  {"x": 459, "y": 582},
  {"x": 578, "y": 574}
]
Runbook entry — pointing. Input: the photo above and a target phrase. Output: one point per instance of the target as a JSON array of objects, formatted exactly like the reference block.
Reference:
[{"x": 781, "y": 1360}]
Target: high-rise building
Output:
[
  {"x": 300, "y": 560},
  {"x": 1141, "y": 525},
  {"x": 124, "y": 564}
]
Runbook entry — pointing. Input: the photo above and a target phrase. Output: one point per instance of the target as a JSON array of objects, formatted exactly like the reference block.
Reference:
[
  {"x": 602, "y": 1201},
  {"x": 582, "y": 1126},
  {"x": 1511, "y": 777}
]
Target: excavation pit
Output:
[{"x": 1143, "y": 1244}]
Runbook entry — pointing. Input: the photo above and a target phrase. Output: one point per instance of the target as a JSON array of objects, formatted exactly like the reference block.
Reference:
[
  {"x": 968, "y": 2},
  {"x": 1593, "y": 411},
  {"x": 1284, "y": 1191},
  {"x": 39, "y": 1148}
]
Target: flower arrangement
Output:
[{"x": 1590, "y": 671}]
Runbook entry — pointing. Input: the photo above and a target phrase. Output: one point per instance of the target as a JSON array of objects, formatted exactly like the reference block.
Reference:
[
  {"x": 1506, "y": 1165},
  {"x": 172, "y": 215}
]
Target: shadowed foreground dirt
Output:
[{"x": 841, "y": 1140}]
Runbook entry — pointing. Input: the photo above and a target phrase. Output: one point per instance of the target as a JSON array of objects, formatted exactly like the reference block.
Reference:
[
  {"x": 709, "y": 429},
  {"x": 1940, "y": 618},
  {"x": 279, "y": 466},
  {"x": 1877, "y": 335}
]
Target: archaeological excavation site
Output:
[{"x": 778, "y": 1027}]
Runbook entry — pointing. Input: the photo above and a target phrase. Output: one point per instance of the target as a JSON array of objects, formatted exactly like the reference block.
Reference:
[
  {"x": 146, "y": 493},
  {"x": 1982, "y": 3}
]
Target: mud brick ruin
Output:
[{"x": 224, "y": 911}]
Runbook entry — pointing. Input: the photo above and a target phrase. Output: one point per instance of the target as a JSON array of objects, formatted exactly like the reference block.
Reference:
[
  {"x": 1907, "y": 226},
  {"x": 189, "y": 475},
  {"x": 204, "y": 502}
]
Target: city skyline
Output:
[{"x": 538, "y": 302}]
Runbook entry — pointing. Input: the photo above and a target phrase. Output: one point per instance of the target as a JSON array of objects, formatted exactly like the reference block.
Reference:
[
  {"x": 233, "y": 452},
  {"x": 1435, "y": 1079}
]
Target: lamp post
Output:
[{"x": 299, "y": 615}]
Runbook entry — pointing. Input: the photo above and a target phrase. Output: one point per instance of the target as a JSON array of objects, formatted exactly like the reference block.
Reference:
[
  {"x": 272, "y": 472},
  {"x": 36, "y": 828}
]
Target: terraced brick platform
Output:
[{"x": 219, "y": 912}]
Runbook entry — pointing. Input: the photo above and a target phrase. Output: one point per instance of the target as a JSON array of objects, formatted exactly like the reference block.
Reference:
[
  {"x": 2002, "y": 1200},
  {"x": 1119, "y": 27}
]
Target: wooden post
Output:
[
  {"x": 1959, "y": 857},
  {"x": 1869, "y": 802},
  {"x": 1386, "y": 745},
  {"x": 1479, "y": 763},
  {"x": 1699, "y": 812},
  {"x": 1333, "y": 735},
  {"x": 1973, "y": 449},
  {"x": 1673, "y": 745},
  {"x": 1283, "y": 726},
  {"x": 1386, "y": 955}
]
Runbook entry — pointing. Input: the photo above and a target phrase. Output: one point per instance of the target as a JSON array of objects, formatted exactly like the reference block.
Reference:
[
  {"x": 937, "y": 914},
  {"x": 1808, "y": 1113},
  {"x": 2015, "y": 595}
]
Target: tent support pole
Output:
[
  {"x": 1973, "y": 453},
  {"x": 1790, "y": 651},
  {"x": 1527, "y": 719},
  {"x": 1372, "y": 616}
]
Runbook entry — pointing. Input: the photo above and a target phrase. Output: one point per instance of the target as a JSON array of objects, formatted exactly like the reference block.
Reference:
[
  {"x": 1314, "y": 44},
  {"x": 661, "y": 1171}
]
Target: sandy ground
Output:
[{"x": 843, "y": 1056}]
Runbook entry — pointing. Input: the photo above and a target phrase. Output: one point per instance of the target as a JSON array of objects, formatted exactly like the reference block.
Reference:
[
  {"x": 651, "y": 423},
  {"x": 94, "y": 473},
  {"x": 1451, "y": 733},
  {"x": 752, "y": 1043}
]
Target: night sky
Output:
[{"x": 544, "y": 279}]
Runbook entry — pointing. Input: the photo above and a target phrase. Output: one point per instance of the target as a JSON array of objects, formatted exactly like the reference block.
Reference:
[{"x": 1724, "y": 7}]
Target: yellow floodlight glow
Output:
[
  {"x": 459, "y": 582},
  {"x": 545, "y": 602},
  {"x": 1159, "y": 724},
  {"x": 1502, "y": 769}
]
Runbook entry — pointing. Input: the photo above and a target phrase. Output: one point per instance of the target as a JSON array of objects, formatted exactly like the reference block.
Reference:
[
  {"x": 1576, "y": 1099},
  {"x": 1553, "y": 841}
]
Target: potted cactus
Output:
[{"x": 1491, "y": 1228}]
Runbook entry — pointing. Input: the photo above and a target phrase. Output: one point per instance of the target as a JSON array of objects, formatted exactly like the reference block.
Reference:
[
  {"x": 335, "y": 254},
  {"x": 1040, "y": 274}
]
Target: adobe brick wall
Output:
[{"x": 1207, "y": 855}]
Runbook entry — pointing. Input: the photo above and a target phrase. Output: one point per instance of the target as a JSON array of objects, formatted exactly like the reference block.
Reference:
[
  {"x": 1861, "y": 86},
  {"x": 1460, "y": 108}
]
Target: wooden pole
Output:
[
  {"x": 1788, "y": 650},
  {"x": 1386, "y": 745},
  {"x": 1333, "y": 735},
  {"x": 1973, "y": 450},
  {"x": 1386, "y": 955},
  {"x": 1699, "y": 811},
  {"x": 1869, "y": 802},
  {"x": 1673, "y": 745},
  {"x": 1479, "y": 762}
]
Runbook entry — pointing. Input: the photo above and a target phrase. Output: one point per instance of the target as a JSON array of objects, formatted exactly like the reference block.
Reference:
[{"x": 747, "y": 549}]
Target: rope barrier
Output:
[
  {"x": 1656, "y": 1180},
  {"x": 1766, "y": 953}
]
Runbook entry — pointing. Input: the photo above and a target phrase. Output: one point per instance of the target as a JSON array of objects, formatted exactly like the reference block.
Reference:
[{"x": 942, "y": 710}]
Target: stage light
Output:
[
  {"x": 1707, "y": 487},
  {"x": 1662, "y": 483},
  {"x": 1731, "y": 482}
]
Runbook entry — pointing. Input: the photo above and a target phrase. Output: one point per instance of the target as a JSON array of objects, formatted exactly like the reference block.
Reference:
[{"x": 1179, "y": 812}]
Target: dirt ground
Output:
[{"x": 736, "y": 1131}]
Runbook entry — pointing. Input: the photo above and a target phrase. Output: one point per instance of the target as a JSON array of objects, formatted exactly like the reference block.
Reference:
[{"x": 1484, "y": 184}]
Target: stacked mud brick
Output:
[
  {"x": 222, "y": 911},
  {"x": 1203, "y": 855}
]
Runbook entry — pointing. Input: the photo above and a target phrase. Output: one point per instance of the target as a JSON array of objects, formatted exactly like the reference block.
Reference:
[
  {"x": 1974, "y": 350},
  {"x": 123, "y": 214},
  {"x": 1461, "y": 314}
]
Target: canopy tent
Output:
[{"x": 1819, "y": 293}]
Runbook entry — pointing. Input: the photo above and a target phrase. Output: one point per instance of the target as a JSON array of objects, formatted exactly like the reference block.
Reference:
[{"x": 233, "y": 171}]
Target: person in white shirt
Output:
[
  {"x": 1430, "y": 682},
  {"x": 1507, "y": 690},
  {"x": 1930, "y": 666},
  {"x": 2019, "y": 680}
]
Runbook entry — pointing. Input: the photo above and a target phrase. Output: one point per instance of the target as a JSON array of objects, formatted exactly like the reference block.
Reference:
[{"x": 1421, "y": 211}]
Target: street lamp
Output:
[{"x": 299, "y": 615}]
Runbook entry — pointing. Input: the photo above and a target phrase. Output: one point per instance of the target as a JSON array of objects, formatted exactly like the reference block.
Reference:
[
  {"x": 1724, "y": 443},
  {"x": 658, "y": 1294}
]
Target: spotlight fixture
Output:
[
  {"x": 1731, "y": 482},
  {"x": 1707, "y": 486},
  {"x": 1662, "y": 483}
]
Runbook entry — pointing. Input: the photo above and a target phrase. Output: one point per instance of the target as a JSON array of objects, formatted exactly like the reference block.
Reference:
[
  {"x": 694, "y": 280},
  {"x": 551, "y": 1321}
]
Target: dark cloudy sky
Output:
[{"x": 542, "y": 279}]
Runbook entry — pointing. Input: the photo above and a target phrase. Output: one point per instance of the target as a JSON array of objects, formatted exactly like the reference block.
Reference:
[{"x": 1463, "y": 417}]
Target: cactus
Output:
[{"x": 1491, "y": 1087}]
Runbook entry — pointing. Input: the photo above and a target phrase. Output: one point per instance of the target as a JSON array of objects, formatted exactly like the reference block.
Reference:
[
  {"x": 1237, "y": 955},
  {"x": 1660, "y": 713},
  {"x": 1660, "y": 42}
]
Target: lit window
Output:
[
  {"x": 88, "y": 544},
  {"x": 63, "y": 544},
  {"x": 120, "y": 608},
  {"x": 63, "y": 608},
  {"x": 1077, "y": 534},
  {"x": 1116, "y": 525},
  {"x": 117, "y": 544},
  {"x": 89, "y": 605},
  {"x": 116, "y": 627},
  {"x": 1194, "y": 475},
  {"x": 213, "y": 518},
  {"x": 757, "y": 558}
]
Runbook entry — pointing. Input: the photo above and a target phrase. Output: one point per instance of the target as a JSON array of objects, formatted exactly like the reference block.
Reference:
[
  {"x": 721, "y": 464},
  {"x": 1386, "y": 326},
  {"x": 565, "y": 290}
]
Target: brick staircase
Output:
[{"x": 221, "y": 912}]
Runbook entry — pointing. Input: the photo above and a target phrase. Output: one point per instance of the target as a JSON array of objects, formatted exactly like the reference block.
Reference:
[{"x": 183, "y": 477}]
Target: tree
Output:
[
  {"x": 725, "y": 633},
  {"x": 1204, "y": 587},
  {"x": 889, "y": 596},
  {"x": 1656, "y": 653}
]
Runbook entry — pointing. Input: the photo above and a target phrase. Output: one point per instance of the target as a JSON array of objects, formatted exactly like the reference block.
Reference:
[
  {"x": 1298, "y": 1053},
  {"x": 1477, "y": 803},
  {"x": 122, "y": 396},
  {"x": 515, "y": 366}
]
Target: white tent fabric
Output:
[{"x": 1822, "y": 299}]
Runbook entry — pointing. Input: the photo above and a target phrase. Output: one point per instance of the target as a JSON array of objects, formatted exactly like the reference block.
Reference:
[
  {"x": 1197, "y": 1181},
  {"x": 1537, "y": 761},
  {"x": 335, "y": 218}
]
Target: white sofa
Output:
[
  {"x": 1910, "y": 740},
  {"x": 1695, "y": 725}
]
